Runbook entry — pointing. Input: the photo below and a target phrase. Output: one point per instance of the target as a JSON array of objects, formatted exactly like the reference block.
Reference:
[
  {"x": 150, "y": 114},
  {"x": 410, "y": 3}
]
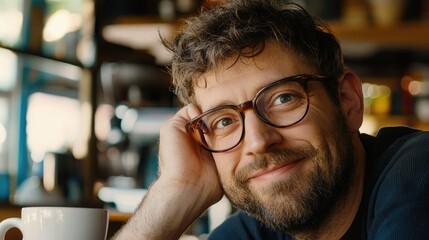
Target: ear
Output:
[{"x": 351, "y": 100}]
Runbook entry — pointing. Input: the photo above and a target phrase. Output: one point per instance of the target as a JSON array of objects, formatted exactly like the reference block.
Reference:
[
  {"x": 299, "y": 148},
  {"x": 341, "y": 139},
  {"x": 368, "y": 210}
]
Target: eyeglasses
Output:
[{"x": 280, "y": 104}]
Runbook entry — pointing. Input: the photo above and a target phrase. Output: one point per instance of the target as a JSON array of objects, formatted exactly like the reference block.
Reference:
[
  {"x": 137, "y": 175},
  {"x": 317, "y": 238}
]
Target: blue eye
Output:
[
  {"x": 284, "y": 98},
  {"x": 224, "y": 122}
]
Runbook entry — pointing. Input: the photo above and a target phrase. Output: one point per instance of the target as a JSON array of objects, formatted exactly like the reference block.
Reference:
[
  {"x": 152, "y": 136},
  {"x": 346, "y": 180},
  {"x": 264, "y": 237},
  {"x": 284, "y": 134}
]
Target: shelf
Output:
[
  {"x": 414, "y": 34},
  {"x": 407, "y": 34},
  {"x": 372, "y": 123}
]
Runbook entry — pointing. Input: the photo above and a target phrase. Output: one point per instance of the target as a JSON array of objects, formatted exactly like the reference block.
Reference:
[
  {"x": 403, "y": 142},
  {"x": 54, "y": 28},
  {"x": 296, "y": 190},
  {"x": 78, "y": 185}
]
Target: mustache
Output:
[{"x": 285, "y": 156}]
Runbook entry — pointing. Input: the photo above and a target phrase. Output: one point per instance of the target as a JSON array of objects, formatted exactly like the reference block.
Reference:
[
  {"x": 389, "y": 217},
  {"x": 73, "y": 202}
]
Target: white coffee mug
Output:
[{"x": 59, "y": 223}]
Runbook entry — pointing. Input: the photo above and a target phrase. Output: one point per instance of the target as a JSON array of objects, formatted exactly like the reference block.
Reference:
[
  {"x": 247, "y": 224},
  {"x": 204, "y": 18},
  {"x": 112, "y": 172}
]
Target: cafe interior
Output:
[{"x": 84, "y": 88}]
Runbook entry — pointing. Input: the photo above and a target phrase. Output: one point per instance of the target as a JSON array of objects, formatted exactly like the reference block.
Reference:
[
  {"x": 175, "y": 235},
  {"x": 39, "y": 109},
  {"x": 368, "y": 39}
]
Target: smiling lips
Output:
[{"x": 274, "y": 171}]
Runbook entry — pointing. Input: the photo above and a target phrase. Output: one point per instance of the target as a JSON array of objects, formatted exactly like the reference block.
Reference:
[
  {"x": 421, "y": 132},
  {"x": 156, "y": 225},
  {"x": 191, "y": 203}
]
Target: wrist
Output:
[
  {"x": 166, "y": 211},
  {"x": 197, "y": 194}
]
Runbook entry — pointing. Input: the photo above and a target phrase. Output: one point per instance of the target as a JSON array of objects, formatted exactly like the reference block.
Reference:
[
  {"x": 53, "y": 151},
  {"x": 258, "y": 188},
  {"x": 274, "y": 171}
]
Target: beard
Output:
[{"x": 302, "y": 201}]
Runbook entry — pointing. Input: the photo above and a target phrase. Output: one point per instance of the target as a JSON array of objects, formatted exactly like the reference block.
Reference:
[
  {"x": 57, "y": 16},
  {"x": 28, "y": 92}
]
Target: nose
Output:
[{"x": 259, "y": 136}]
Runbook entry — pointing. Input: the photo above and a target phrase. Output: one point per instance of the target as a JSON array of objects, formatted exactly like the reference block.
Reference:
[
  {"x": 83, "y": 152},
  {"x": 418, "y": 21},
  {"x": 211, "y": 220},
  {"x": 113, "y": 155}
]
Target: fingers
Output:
[
  {"x": 186, "y": 114},
  {"x": 175, "y": 142},
  {"x": 193, "y": 111},
  {"x": 183, "y": 163}
]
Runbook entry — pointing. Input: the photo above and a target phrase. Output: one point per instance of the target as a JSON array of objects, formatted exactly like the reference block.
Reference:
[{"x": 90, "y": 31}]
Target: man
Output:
[{"x": 272, "y": 121}]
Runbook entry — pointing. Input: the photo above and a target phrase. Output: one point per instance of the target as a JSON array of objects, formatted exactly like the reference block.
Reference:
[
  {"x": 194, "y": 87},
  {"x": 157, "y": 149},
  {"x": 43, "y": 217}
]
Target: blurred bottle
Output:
[
  {"x": 166, "y": 10},
  {"x": 186, "y": 6},
  {"x": 354, "y": 13},
  {"x": 386, "y": 12}
]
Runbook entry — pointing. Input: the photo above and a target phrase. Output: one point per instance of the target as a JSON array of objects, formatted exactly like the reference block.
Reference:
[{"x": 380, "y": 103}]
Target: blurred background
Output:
[{"x": 84, "y": 89}]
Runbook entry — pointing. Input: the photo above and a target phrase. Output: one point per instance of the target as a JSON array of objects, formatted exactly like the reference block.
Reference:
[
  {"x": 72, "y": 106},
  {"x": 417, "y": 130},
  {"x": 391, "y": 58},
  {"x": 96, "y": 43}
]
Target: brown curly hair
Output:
[{"x": 241, "y": 28}]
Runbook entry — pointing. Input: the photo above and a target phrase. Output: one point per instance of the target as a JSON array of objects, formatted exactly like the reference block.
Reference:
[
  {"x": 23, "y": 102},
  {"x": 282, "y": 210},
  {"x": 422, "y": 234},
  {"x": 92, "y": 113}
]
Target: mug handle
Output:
[{"x": 7, "y": 224}]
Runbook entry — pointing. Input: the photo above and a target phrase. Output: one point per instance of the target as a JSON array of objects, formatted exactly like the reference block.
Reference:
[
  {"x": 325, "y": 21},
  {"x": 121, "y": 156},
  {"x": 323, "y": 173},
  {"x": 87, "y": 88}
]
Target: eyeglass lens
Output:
[{"x": 279, "y": 105}]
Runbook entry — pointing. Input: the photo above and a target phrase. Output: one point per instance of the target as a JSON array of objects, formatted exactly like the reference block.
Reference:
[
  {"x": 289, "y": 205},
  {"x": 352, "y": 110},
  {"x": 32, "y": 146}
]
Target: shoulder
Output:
[
  {"x": 400, "y": 197},
  {"x": 407, "y": 154},
  {"x": 242, "y": 226}
]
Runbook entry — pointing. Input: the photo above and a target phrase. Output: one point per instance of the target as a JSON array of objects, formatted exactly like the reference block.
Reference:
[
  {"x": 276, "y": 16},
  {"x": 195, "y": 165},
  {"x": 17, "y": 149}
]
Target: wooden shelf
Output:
[
  {"x": 405, "y": 35},
  {"x": 412, "y": 34},
  {"x": 374, "y": 122}
]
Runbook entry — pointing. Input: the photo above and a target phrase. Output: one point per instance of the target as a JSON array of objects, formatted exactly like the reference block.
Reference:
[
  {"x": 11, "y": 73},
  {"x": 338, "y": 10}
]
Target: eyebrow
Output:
[
  {"x": 222, "y": 103},
  {"x": 225, "y": 102}
]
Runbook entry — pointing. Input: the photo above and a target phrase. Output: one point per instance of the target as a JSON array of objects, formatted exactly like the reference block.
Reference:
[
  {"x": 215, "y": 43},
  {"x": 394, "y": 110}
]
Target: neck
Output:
[{"x": 346, "y": 208}]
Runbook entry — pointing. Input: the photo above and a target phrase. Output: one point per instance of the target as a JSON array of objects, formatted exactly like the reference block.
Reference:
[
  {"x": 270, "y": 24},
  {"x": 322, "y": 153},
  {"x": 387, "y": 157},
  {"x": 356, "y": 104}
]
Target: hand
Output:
[
  {"x": 182, "y": 162},
  {"x": 187, "y": 185}
]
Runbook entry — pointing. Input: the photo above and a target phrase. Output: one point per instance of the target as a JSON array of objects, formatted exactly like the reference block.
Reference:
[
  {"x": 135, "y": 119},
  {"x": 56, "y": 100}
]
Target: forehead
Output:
[{"x": 236, "y": 81}]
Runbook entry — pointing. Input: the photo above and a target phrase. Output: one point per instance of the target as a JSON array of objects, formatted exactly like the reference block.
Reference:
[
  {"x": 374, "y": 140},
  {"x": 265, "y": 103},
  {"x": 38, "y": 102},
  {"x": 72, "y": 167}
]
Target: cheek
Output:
[
  {"x": 307, "y": 132},
  {"x": 321, "y": 121},
  {"x": 226, "y": 165},
  {"x": 317, "y": 130},
  {"x": 328, "y": 129}
]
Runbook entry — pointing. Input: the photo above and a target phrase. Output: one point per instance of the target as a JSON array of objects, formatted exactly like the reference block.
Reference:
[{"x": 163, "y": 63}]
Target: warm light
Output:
[
  {"x": 10, "y": 26},
  {"x": 369, "y": 125},
  {"x": 366, "y": 89},
  {"x": 61, "y": 23},
  {"x": 102, "y": 121},
  {"x": 80, "y": 148},
  {"x": 4, "y": 117},
  {"x": 141, "y": 36},
  {"x": 385, "y": 91},
  {"x": 376, "y": 98},
  {"x": 53, "y": 124},
  {"x": 49, "y": 172},
  {"x": 3, "y": 134},
  {"x": 415, "y": 88},
  {"x": 375, "y": 91},
  {"x": 405, "y": 82},
  {"x": 9, "y": 69}
]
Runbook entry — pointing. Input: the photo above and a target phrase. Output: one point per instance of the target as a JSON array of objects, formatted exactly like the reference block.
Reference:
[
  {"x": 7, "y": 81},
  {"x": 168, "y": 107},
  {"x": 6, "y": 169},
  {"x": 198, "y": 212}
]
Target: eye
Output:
[
  {"x": 284, "y": 98},
  {"x": 222, "y": 123}
]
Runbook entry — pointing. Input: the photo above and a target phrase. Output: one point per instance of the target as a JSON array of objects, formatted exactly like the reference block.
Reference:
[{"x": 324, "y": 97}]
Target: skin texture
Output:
[{"x": 197, "y": 179}]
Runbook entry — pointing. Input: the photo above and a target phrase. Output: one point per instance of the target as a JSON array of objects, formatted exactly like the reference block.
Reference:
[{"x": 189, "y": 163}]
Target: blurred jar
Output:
[
  {"x": 422, "y": 103},
  {"x": 386, "y": 12}
]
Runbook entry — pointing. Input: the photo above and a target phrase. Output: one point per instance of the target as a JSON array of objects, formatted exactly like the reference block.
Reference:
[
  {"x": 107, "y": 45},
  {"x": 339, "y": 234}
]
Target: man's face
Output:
[{"x": 286, "y": 177}]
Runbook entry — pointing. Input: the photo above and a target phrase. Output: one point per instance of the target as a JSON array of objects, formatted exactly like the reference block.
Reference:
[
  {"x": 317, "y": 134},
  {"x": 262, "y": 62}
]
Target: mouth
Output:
[{"x": 275, "y": 172}]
